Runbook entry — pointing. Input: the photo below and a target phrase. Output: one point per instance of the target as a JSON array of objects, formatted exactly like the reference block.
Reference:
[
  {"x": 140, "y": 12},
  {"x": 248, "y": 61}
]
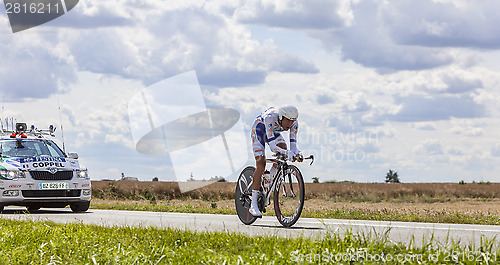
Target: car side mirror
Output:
[{"x": 73, "y": 155}]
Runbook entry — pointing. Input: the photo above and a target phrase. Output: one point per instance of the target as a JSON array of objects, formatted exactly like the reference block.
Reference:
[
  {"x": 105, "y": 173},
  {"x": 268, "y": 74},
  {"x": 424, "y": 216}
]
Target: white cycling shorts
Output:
[{"x": 259, "y": 139}]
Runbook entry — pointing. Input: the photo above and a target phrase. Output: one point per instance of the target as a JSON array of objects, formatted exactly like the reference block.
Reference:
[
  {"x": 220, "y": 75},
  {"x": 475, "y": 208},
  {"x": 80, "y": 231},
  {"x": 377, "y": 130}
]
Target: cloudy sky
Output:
[{"x": 405, "y": 85}]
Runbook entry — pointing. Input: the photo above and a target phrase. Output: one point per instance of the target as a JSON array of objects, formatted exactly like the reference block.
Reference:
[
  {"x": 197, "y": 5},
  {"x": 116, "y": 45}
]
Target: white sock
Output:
[{"x": 255, "y": 197}]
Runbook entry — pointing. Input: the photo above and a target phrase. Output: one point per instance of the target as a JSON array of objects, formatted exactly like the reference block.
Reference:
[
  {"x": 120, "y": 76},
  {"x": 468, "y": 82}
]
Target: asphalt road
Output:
[{"x": 268, "y": 225}]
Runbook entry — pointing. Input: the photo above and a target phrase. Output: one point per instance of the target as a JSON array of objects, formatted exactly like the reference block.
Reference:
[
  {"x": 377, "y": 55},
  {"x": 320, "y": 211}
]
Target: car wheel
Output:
[
  {"x": 79, "y": 207},
  {"x": 33, "y": 209}
]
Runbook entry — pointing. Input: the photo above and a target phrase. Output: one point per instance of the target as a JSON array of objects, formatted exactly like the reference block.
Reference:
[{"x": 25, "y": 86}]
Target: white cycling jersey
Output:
[{"x": 266, "y": 129}]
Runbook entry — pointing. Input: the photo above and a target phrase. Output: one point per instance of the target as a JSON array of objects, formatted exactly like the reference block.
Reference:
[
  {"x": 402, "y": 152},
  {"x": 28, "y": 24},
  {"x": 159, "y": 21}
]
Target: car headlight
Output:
[
  {"x": 12, "y": 174},
  {"x": 82, "y": 174}
]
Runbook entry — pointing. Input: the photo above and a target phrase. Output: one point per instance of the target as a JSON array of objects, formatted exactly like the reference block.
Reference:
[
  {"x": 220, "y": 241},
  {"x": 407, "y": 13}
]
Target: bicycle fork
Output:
[{"x": 285, "y": 193}]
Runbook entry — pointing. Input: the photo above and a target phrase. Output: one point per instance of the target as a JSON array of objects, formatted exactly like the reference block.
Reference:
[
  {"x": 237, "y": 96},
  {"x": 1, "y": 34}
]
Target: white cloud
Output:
[
  {"x": 368, "y": 42},
  {"x": 387, "y": 35},
  {"x": 430, "y": 147},
  {"x": 454, "y": 151},
  {"x": 444, "y": 24},
  {"x": 147, "y": 41},
  {"x": 355, "y": 103},
  {"x": 431, "y": 108},
  {"x": 162, "y": 42},
  {"x": 465, "y": 130},
  {"x": 458, "y": 85},
  {"x": 32, "y": 67},
  {"x": 495, "y": 150},
  {"x": 313, "y": 14},
  {"x": 426, "y": 126}
]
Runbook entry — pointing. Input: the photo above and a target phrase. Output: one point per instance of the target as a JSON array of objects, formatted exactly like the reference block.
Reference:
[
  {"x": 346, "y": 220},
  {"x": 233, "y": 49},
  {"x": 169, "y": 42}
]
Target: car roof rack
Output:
[{"x": 22, "y": 131}]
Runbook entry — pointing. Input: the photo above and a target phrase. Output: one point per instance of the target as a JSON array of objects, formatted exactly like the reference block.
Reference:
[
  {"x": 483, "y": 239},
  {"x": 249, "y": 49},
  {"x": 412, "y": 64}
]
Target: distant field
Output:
[{"x": 351, "y": 192}]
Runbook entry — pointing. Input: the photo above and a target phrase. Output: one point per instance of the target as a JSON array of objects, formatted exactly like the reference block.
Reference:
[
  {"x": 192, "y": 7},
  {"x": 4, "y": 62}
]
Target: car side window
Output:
[
  {"x": 54, "y": 151},
  {"x": 37, "y": 148}
]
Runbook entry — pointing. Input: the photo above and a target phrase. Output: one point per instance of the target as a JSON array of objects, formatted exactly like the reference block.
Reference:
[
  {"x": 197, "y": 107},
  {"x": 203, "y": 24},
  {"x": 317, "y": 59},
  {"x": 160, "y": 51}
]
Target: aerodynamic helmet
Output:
[{"x": 288, "y": 111}]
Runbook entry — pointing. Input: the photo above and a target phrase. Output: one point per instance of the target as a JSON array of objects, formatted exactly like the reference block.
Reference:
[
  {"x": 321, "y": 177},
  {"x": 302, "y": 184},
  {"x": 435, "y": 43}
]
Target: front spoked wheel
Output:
[
  {"x": 289, "y": 197},
  {"x": 243, "y": 195}
]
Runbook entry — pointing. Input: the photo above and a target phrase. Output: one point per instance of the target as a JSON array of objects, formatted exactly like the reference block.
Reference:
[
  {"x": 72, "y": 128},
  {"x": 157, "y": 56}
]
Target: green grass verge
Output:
[
  {"x": 434, "y": 217},
  {"x": 30, "y": 242}
]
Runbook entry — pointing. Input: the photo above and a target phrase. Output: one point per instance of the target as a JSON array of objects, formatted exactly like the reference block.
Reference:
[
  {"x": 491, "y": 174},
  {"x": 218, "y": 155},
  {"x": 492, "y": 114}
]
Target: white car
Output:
[{"x": 35, "y": 172}]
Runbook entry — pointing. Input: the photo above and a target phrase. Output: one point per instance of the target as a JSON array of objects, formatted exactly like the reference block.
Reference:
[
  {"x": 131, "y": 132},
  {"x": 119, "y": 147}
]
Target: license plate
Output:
[{"x": 54, "y": 186}]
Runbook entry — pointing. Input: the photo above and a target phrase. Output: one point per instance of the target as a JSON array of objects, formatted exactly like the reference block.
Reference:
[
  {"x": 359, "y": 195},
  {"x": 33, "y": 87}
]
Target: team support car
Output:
[{"x": 36, "y": 173}]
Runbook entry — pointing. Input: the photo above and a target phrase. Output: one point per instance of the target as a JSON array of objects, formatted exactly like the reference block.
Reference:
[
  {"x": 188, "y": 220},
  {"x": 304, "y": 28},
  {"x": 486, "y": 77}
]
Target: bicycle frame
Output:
[
  {"x": 272, "y": 187},
  {"x": 243, "y": 196},
  {"x": 282, "y": 166},
  {"x": 280, "y": 176}
]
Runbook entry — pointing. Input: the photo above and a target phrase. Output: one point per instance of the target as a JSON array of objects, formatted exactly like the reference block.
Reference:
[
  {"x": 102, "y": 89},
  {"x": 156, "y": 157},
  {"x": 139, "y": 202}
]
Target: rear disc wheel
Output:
[{"x": 243, "y": 194}]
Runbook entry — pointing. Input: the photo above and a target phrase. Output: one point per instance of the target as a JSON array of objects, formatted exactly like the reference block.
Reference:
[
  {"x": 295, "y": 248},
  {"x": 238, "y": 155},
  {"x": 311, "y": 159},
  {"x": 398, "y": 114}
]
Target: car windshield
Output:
[{"x": 30, "y": 147}]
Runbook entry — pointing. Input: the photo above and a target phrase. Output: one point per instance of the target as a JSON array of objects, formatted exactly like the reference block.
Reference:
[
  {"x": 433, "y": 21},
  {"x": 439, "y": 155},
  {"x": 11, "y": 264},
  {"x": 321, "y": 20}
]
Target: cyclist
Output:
[{"x": 266, "y": 129}]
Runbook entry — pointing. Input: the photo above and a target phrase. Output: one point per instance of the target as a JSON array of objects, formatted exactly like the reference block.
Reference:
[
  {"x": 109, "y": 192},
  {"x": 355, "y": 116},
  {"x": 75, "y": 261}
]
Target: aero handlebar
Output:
[{"x": 281, "y": 158}]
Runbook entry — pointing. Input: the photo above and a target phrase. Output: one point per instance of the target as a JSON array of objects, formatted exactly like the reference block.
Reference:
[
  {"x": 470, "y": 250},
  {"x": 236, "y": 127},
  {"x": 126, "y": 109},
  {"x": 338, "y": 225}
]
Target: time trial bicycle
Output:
[{"x": 287, "y": 186}]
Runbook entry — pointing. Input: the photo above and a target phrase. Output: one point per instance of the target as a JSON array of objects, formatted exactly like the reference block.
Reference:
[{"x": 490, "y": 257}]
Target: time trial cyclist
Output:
[{"x": 267, "y": 128}]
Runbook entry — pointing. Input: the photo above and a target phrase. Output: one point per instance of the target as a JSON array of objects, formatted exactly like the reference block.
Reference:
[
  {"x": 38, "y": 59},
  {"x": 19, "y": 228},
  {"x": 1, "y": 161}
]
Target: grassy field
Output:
[
  {"x": 419, "y": 202},
  {"x": 347, "y": 192},
  {"x": 28, "y": 242}
]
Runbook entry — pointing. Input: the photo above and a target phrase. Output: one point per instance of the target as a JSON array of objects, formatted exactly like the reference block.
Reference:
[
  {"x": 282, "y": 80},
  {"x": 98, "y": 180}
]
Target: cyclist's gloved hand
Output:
[
  {"x": 298, "y": 155},
  {"x": 291, "y": 155}
]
